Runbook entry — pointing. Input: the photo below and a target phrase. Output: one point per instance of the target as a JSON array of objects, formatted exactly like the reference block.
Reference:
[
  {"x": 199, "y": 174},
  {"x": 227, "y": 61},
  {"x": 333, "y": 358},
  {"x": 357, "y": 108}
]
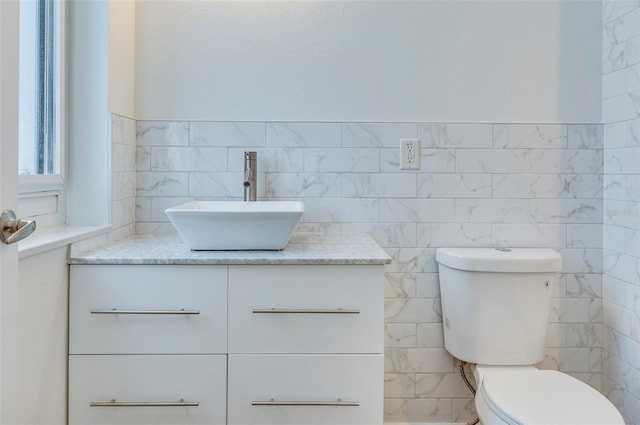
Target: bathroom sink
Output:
[{"x": 235, "y": 225}]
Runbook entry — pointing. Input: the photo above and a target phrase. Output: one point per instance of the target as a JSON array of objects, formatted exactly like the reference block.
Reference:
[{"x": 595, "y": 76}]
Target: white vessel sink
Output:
[{"x": 235, "y": 225}]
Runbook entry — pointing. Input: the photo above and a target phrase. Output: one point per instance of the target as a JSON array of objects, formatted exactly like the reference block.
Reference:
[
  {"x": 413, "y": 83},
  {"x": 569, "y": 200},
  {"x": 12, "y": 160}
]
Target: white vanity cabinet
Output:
[
  {"x": 147, "y": 344},
  {"x": 148, "y": 309},
  {"x": 214, "y": 338},
  {"x": 305, "y": 344},
  {"x": 306, "y": 309},
  {"x": 147, "y": 389},
  {"x": 305, "y": 389}
]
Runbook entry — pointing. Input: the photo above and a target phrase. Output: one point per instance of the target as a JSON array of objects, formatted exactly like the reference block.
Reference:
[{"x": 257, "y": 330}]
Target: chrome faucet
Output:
[{"x": 250, "y": 173}]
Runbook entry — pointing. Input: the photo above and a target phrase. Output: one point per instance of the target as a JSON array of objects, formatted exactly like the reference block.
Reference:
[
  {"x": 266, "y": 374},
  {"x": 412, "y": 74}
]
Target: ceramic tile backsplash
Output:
[
  {"x": 162, "y": 133},
  {"x": 378, "y": 135},
  {"x": 123, "y": 176},
  {"x": 456, "y": 135},
  {"x": 304, "y": 135},
  {"x": 620, "y": 332},
  {"x": 478, "y": 185},
  {"x": 530, "y": 136},
  {"x": 226, "y": 134}
]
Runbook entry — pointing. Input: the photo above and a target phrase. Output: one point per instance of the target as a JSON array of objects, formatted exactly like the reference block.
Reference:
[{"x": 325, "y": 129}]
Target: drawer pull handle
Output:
[
  {"x": 114, "y": 403},
  {"x": 338, "y": 403},
  {"x": 304, "y": 311},
  {"x": 116, "y": 311}
]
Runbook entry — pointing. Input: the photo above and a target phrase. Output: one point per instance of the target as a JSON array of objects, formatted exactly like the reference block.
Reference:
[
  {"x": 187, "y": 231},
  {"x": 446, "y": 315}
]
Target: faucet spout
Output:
[{"x": 250, "y": 174}]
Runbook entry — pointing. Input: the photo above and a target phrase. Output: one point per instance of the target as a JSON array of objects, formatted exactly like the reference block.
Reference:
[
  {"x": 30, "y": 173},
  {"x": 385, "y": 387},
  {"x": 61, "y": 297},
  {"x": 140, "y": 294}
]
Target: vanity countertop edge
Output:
[{"x": 303, "y": 248}]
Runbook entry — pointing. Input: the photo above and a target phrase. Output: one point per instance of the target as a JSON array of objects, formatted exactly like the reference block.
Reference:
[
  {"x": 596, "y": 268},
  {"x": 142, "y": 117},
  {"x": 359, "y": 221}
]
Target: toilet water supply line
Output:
[{"x": 461, "y": 366}]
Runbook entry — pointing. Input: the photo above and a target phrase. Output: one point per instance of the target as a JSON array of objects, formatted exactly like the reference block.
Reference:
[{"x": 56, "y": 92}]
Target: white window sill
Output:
[{"x": 55, "y": 237}]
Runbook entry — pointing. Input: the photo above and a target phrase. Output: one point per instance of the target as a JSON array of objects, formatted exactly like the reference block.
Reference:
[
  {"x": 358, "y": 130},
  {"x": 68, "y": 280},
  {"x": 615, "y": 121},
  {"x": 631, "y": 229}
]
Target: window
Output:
[{"x": 41, "y": 95}]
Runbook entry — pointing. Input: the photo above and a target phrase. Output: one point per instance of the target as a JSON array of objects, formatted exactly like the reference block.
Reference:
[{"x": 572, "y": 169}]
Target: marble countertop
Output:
[{"x": 303, "y": 248}]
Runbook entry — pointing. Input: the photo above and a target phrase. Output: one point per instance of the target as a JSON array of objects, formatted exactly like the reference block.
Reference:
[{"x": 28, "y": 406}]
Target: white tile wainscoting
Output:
[
  {"x": 123, "y": 176},
  {"x": 478, "y": 185},
  {"x": 621, "y": 235}
]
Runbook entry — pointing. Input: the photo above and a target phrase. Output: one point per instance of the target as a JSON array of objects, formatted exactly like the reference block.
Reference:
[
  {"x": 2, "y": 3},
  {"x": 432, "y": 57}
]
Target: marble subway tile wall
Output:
[
  {"x": 478, "y": 185},
  {"x": 123, "y": 176},
  {"x": 621, "y": 229}
]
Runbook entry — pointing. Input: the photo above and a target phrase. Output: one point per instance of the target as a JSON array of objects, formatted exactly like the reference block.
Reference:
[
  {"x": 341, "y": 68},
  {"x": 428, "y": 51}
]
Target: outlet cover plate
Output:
[{"x": 409, "y": 154}]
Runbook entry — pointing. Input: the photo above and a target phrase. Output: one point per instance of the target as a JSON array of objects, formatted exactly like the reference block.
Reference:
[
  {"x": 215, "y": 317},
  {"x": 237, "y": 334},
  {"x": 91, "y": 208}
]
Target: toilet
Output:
[{"x": 495, "y": 309}]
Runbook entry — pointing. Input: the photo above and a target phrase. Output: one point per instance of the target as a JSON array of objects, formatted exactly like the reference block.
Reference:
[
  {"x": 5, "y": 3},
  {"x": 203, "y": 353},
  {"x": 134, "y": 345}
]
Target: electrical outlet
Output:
[{"x": 409, "y": 154}]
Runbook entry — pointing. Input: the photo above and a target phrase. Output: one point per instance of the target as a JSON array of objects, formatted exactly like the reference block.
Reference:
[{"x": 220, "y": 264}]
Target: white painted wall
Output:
[
  {"x": 42, "y": 338},
  {"x": 446, "y": 61},
  {"x": 122, "y": 16},
  {"x": 101, "y": 52},
  {"x": 89, "y": 169}
]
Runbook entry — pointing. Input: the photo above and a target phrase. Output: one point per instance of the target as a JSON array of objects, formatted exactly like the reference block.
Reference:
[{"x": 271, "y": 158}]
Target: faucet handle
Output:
[{"x": 250, "y": 173}]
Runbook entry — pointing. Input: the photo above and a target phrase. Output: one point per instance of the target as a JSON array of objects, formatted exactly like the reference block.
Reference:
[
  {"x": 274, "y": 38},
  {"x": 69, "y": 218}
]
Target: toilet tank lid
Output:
[{"x": 514, "y": 260}]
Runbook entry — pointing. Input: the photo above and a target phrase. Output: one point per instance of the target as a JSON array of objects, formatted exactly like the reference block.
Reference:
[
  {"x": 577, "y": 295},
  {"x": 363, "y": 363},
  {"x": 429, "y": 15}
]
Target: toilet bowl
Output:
[
  {"x": 495, "y": 308},
  {"x": 526, "y": 395}
]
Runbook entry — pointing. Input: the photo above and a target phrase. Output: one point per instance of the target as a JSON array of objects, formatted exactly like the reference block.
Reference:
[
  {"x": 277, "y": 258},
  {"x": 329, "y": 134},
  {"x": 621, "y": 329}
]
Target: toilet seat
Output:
[{"x": 544, "y": 397}]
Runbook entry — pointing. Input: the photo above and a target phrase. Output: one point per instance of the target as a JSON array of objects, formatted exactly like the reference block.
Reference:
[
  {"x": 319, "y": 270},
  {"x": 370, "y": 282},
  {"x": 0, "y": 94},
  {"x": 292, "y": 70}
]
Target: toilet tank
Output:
[{"x": 496, "y": 302}]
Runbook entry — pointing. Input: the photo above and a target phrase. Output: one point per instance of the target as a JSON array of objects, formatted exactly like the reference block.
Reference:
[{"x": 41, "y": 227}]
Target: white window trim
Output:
[
  {"x": 41, "y": 183},
  {"x": 37, "y": 190}
]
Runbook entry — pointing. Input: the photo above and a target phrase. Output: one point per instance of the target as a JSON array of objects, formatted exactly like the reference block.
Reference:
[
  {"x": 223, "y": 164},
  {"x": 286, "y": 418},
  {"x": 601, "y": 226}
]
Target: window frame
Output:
[{"x": 36, "y": 191}]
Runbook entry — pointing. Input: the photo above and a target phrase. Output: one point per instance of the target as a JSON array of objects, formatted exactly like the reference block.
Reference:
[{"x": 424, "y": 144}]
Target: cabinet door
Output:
[
  {"x": 306, "y": 309},
  {"x": 164, "y": 390},
  {"x": 305, "y": 389},
  {"x": 147, "y": 309}
]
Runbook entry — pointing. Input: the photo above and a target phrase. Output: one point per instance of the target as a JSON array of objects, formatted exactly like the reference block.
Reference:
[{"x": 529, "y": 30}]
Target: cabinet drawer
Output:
[
  {"x": 149, "y": 303},
  {"x": 101, "y": 386},
  {"x": 306, "y": 309},
  {"x": 305, "y": 389}
]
